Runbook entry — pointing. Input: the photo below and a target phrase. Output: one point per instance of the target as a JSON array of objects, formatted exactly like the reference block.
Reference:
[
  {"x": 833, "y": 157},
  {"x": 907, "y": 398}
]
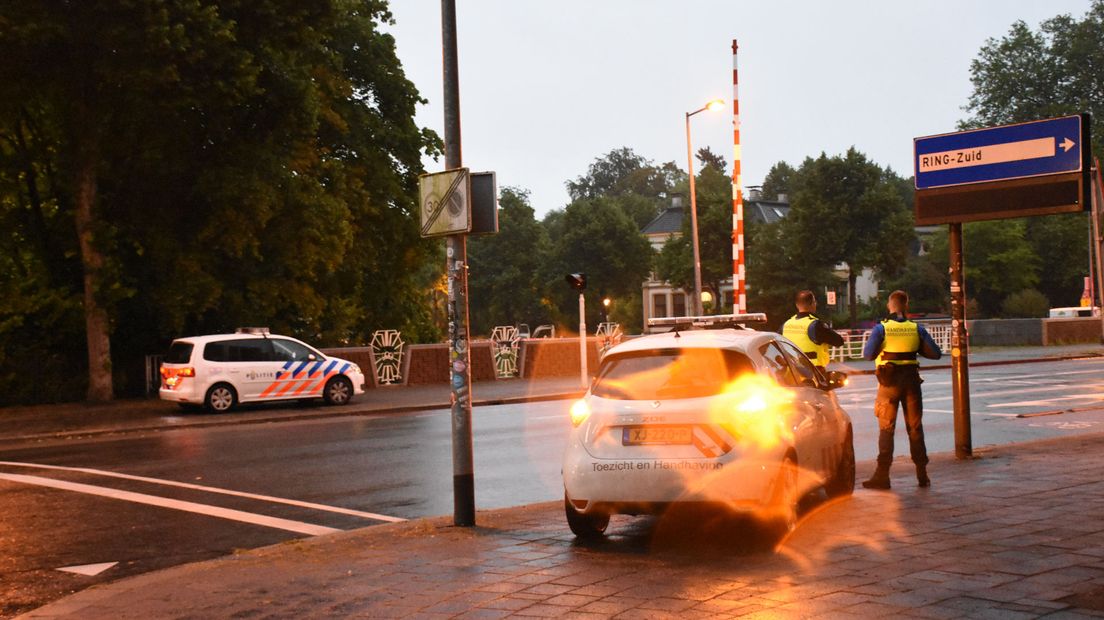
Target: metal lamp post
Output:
[{"x": 716, "y": 104}]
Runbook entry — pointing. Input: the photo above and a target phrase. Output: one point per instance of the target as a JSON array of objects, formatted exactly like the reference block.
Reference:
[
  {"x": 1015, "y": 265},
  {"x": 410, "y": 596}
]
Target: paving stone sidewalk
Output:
[{"x": 1015, "y": 533}]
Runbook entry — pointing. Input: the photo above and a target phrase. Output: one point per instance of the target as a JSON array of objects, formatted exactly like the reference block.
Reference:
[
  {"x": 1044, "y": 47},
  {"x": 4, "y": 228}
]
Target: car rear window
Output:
[
  {"x": 179, "y": 353},
  {"x": 669, "y": 373}
]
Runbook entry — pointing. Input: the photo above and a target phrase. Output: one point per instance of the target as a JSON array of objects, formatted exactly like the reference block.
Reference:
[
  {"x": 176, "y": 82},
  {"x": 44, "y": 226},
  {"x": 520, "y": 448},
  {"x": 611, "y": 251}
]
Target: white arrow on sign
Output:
[{"x": 993, "y": 154}]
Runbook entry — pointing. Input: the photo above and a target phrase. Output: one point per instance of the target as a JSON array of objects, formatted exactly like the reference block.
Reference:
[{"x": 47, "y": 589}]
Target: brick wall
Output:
[
  {"x": 429, "y": 363},
  {"x": 556, "y": 357},
  {"x": 1070, "y": 331}
]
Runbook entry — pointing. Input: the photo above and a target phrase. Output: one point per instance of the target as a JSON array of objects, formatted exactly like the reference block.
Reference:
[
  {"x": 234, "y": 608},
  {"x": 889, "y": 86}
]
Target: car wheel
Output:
[
  {"x": 220, "y": 398},
  {"x": 842, "y": 482},
  {"x": 588, "y": 526},
  {"x": 783, "y": 500},
  {"x": 338, "y": 391}
]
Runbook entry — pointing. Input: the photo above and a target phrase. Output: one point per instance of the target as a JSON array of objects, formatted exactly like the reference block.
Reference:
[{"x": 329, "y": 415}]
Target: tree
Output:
[
  {"x": 997, "y": 259},
  {"x": 714, "y": 203},
  {"x": 218, "y": 164},
  {"x": 777, "y": 181},
  {"x": 1029, "y": 75},
  {"x": 640, "y": 187},
  {"x": 596, "y": 237},
  {"x": 777, "y": 268},
  {"x": 849, "y": 210},
  {"x": 505, "y": 285}
]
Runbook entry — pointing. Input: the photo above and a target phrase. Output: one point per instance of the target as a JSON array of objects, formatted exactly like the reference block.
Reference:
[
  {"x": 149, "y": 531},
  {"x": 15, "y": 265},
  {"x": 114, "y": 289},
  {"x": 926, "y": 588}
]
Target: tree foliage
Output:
[
  {"x": 847, "y": 209},
  {"x": 714, "y": 204},
  {"x": 505, "y": 286},
  {"x": 224, "y": 164},
  {"x": 1029, "y": 75},
  {"x": 640, "y": 187},
  {"x": 596, "y": 237}
]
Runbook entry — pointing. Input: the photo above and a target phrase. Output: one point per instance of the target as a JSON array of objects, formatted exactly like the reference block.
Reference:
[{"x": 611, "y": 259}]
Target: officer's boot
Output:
[
  {"x": 880, "y": 479},
  {"x": 922, "y": 476}
]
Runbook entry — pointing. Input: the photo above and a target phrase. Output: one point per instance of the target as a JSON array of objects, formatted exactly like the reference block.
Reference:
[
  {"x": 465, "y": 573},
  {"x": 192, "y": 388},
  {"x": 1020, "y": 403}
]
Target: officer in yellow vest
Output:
[
  {"x": 895, "y": 344},
  {"x": 812, "y": 335}
]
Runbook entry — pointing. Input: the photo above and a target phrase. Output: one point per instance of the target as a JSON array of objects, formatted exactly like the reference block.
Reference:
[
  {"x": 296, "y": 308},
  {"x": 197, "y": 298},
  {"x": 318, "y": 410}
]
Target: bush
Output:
[{"x": 1026, "y": 304}]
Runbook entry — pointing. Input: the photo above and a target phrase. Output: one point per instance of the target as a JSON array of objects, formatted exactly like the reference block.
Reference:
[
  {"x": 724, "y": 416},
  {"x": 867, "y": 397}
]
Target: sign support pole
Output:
[
  {"x": 582, "y": 342},
  {"x": 1094, "y": 180},
  {"x": 960, "y": 346},
  {"x": 463, "y": 476}
]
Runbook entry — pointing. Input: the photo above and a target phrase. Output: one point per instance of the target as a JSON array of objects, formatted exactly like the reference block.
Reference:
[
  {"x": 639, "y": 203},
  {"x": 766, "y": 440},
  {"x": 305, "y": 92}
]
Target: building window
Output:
[
  {"x": 659, "y": 305},
  {"x": 680, "y": 304}
]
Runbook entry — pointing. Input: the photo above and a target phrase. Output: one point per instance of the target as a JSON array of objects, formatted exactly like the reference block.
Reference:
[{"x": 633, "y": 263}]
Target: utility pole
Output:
[{"x": 463, "y": 475}]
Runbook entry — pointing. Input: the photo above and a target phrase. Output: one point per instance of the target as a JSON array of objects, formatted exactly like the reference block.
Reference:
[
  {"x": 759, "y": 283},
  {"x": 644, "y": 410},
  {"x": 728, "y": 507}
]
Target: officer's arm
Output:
[
  {"x": 820, "y": 333},
  {"x": 874, "y": 343},
  {"x": 928, "y": 348}
]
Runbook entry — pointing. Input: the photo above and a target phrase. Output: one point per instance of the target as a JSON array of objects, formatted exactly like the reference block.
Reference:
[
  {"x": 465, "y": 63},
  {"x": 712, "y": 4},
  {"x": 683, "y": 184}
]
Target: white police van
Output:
[
  {"x": 252, "y": 365},
  {"x": 708, "y": 414}
]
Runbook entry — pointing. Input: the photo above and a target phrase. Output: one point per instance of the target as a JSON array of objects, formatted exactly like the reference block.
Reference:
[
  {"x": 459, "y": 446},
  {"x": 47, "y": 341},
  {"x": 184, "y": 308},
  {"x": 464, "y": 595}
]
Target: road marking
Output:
[
  {"x": 89, "y": 570},
  {"x": 200, "y": 487},
  {"x": 1048, "y": 401},
  {"x": 163, "y": 502}
]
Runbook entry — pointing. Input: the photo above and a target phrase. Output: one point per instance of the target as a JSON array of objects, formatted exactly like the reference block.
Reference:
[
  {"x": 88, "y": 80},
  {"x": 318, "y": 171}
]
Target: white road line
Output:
[
  {"x": 1051, "y": 401},
  {"x": 152, "y": 500},
  {"x": 199, "y": 487}
]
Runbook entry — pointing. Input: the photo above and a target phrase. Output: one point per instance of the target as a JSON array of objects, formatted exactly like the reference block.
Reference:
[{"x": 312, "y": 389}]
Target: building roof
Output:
[
  {"x": 667, "y": 222},
  {"x": 758, "y": 211}
]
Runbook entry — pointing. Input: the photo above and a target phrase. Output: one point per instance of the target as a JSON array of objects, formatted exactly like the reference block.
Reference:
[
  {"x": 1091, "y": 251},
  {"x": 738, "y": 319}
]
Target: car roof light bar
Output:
[
  {"x": 252, "y": 330},
  {"x": 715, "y": 321}
]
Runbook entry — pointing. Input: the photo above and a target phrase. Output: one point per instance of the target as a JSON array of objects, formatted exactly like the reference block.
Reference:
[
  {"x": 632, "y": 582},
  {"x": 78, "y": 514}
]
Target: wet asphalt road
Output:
[{"x": 380, "y": 468}]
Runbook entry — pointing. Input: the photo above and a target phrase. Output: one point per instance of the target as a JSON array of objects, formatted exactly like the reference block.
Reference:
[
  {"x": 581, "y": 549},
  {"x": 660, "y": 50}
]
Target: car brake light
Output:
[
  {"x": 186, "y": 372},
  {"x": 579, "y": 412}
]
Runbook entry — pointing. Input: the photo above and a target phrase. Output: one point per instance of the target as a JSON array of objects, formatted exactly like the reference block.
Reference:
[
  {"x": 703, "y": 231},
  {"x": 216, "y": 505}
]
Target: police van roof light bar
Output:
[
  {"x": 716, "y": 321},
  {"x": 252, "y": 330}
]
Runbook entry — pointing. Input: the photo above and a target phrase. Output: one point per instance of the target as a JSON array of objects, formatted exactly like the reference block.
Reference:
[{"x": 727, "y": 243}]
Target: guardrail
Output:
[{"x": 855, "y": 339}]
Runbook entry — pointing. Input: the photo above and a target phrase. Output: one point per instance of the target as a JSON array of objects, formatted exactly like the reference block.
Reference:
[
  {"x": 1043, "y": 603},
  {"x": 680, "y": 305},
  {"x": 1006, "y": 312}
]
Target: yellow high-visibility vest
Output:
[
  {"x": 797, "y": 330},
  {"x": 902, "y": 341}
]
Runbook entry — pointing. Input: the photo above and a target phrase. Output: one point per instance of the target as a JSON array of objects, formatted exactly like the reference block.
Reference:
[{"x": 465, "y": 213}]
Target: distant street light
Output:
[{"x": 714, "y": 105}]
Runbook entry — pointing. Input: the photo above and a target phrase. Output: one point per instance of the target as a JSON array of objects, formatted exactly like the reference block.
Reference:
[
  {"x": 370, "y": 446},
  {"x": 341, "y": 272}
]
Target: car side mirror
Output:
[{"x": 837, "y": 379}]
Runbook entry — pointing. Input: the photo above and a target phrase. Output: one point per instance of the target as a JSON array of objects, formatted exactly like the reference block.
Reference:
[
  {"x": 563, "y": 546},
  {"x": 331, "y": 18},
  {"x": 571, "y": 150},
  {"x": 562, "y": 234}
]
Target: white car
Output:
[
  {"x": 709, "y": 414},
  {"x": 220, "y": 371}
]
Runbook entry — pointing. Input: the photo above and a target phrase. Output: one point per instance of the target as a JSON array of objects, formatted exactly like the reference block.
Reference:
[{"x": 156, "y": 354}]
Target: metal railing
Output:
[{"x": 855, "y": 339}]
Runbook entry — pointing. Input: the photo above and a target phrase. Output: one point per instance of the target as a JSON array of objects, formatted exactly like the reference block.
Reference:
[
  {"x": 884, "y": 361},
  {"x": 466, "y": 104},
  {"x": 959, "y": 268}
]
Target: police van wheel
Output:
[
  {"x": 585, "y": 526},
  {"x": 338, "y": 391},
  {"x": 220, "y": 398}
]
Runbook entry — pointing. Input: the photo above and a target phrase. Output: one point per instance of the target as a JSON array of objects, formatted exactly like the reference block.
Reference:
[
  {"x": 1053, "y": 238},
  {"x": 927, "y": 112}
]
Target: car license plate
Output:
[{"x": 655, "y": 435}]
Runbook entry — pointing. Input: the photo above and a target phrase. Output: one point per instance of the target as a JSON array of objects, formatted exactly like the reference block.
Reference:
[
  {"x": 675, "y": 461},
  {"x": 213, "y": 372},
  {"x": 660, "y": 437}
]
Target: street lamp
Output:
[{"x": 714, "y": 105}]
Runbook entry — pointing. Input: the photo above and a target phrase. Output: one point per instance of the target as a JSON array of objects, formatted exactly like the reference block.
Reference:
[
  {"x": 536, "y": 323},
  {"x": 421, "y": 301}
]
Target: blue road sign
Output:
[{"x": 1039, "y": 148}]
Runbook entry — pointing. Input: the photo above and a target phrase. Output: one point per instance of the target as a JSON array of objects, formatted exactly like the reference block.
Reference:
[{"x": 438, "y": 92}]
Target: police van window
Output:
[
  {"x": 179, "y": 353},
  {"x": 251, "y": 350},
  {"x": 290, "y": 351},
  {"x": 807, "y": 373},
  {"x": 777, "y": 364},
  {"x": 669, "y": 373}
]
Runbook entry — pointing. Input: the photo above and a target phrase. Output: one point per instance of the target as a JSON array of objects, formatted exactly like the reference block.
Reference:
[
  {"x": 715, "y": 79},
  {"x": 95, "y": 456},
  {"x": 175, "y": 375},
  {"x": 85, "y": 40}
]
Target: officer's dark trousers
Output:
[{"x": 899, "y": 384}]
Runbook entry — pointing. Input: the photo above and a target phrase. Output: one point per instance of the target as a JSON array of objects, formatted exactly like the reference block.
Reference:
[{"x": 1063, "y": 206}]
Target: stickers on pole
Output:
[{"x": 444, "y": 202}]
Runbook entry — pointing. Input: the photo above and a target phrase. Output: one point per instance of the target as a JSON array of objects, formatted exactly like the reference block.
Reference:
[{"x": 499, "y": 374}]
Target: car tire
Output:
[
  {"x": 783, "y": 500},
  {"x": 338, "y": 391},
  {"x": 585, "y": 526},
  {"x": 842, "y": 483},
  {"x": 220, "y": 398}
]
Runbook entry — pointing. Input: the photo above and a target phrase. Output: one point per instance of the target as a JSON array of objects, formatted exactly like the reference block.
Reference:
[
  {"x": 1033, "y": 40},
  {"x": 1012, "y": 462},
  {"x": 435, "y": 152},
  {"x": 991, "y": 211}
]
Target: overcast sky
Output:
[{"x": 548, "y": 87}]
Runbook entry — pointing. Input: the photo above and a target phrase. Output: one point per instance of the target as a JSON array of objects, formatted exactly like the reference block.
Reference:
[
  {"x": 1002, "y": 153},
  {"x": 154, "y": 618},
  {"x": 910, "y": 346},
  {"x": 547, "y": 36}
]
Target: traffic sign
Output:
[
  {"x": 444, "y": 204},
  {"x": 1036, "y": 168},
  {"x": 1052, "y": 146}
]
